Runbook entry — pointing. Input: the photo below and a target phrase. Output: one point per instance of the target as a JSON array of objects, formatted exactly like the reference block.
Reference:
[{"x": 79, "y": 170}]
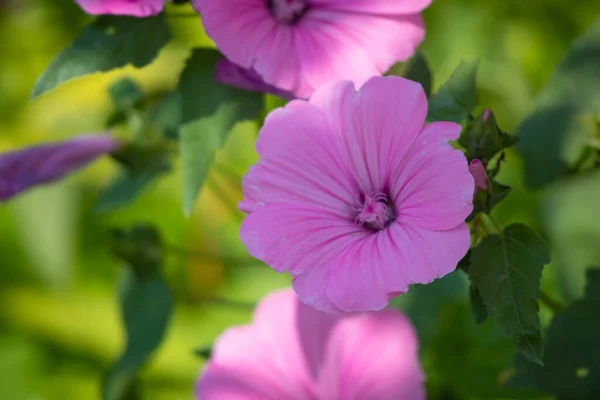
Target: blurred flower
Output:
[
  {"x": 356, "y": 197},
  {"x": 299, "y": 45},
  {"x": 293, "y": 352},
  {"x": 22, "y": 169},
  {"x": 136, "y": 8},
  {"x": 477, "y": 169},
  {"x": 231, "y": 74}
]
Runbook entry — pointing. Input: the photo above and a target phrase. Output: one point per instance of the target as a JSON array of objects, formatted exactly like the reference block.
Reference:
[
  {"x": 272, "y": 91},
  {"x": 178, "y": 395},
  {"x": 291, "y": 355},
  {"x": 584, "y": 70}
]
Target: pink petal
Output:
[
  {"x": 137, "y": 8},
  {"x": 266, "y": 360},
  {"x": 277, "y": 62},
  {"x": 239, "y": 28},
  {"x": 356, "y": 46},
  {"x": 375, "y": 6},
  {"x": 378, "y": 124},
  {"x": 301, "y": 163},
  {"x": 383, "y": 265},
  {"x": 327, "y": 53},
  {"x": 433, "y": 187},
  {"x": 302, "y": 240},
  {"x": 373, "y": 356}
]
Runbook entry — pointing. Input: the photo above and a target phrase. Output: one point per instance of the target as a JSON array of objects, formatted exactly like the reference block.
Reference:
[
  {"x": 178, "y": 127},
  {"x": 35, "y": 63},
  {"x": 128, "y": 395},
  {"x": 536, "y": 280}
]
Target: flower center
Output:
[
  {"x": 287, "y": 11},
  {"x": 375, "y": 212}
]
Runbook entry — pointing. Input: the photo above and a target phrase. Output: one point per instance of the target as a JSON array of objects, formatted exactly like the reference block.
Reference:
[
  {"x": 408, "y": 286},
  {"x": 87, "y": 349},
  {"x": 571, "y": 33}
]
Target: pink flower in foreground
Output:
[
  {"x": 136, "y": 8},
  {"x": 23, "y": 169},
  {"x": 299, "y": 45},
  {"x": 294, "y": 352},
  {"x": 355, "y": 197},
  {"x": 231, "y": 74},
  {"x": 477, "y": 169}
]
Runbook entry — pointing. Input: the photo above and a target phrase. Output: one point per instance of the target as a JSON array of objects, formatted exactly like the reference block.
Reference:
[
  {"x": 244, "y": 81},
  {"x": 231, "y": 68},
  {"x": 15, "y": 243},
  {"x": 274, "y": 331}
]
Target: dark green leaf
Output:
[
  {"x": 551, "y": 136},
  {"x": 204, "y": 352},
  {"x": 457, "y": 98},
  {"x": 142, "y": 164},
  {"x": 107, "y": 43},
  {"x": 486, "y": 200},
  {"x": 141, "y": 248},
  {"x": 126, "y": 187},
  {"x": 572, "y": 351},
  {"x": 146, "y": 306},
  {"x": 477, "y": 306},
  {"x": 506, "y": 268},
  {"x": 483, "y": 138},
  {"x": 210, "y": 111},
  {"x": 125, "y": 94},
  {"x": 465, "y": 262},
  {"x": 416, "y": 69},
  {"x": 165, "y": 115}
]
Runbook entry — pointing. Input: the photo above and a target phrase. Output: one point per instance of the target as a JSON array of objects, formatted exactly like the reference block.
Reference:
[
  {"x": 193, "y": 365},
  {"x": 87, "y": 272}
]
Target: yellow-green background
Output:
[{"x": 59, "y": 321}]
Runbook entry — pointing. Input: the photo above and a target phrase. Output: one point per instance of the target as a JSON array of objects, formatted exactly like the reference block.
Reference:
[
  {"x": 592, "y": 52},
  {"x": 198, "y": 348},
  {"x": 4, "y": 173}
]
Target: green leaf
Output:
[
  {"x": 483, "y": 138},
  {"x": 553, "y": 136},
  {"x": 477, "y": 306},
  {"x": 506, "y": 268},
  {"x": 572, "y": 351},
  {"x": 209, "y": 112},
  {"x": 416, "y": 69},
  {"x": 146, "y": 307},
  {"x": 107, "y": 43},
  {"x": 457, "y": 98}
]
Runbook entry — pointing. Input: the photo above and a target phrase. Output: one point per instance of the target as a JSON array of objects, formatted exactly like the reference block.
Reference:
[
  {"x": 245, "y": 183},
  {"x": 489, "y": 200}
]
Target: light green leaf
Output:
[
  {"x": 209, "y": 111},
  {"x": 553, "y": 136},
  {"x": 506, "y": 268},
  {"x": 572, "y": 351},
  {"x": 457, "y": 98},
  {"x": 107, "y": 43},
  {"x": 146, "y": 307}
]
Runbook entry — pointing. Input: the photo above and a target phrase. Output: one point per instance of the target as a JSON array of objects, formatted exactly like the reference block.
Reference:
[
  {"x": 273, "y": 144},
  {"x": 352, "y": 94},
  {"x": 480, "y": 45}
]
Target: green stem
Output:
[
  {"x": 495, "y": 222},
  {"x": 550, "y": 302}
]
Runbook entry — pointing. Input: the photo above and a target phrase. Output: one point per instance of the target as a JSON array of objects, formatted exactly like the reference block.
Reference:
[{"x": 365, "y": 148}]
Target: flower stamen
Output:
[
  {"x": 374, "y": 212},
  {"x": 287, "y": 11}
]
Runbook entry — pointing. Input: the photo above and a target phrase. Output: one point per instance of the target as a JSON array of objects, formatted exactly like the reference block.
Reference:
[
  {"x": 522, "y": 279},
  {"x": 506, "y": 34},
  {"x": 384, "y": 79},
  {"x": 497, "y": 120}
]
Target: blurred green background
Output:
[{"x": 59, "y": 319}]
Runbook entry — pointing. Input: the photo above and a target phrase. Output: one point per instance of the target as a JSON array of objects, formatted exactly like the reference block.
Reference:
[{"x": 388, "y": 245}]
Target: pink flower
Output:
[
  {"x": 355, "y": 197},
  {"x": 20, "y": 170},
  {"x": 136, "y": 8},
  {"x": 477, "y": 169},
  {"x": 299, "y": 45},
  {"x": 294, "y": 352},
  {"x": 231, "y": 74}
]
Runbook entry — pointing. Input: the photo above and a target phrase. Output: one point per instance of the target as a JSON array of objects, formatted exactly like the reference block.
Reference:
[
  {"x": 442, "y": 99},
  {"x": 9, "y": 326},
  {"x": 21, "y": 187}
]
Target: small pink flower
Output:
[
  {"x": 22, "y": 169},
  {"x": 477, "y": 169},
  {"x": 294, "y": 352},
  {"x": 299, "y": 45},
  {"x": 136, "y": 8},
  {"x": 355, "y": 197},
  {"x": 231, "y": 74}
]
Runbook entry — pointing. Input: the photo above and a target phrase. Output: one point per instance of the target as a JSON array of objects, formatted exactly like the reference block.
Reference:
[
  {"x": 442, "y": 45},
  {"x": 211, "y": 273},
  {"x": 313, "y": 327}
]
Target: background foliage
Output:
[{"x": 60, "y": 324}]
